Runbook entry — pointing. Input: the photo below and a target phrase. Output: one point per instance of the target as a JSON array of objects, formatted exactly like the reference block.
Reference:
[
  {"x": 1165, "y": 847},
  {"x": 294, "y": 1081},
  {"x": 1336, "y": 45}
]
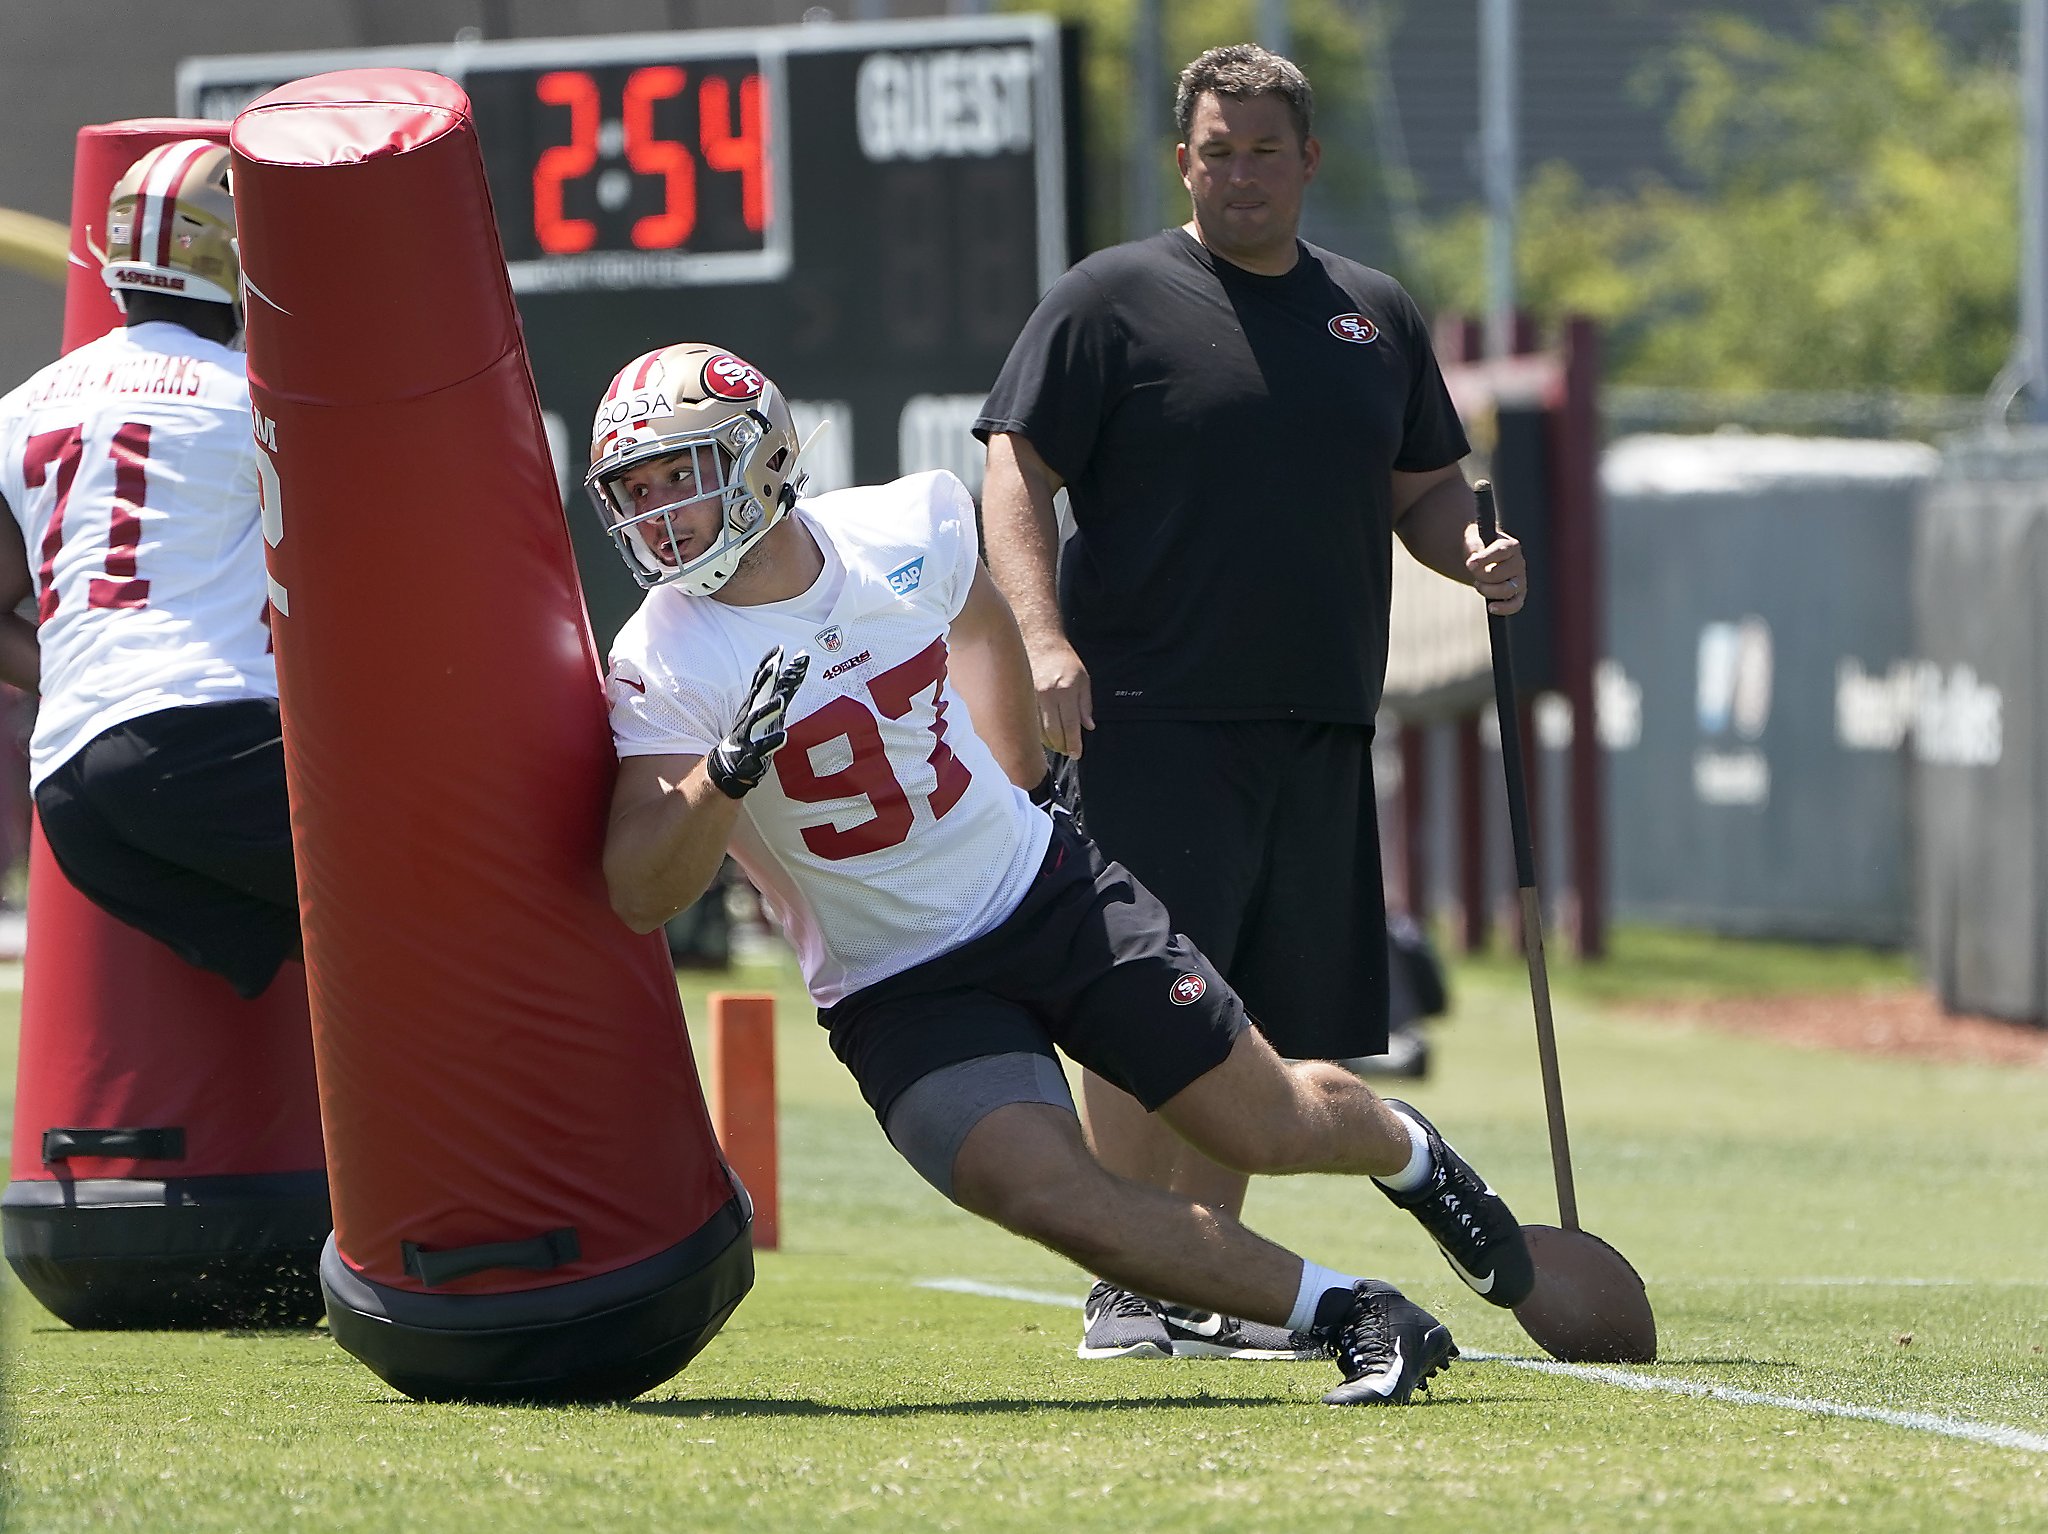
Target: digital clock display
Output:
[{"x": 613, "y": 175}]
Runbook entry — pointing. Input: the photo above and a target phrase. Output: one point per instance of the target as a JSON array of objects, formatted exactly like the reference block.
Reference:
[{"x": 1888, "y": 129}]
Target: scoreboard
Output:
[{"x": 868, "y": 211}]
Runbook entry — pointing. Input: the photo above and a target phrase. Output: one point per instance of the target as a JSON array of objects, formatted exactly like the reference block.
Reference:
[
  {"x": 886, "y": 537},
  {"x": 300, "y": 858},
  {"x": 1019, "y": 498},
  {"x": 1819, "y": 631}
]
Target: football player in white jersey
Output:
[
  {"x": 129, "y": 472},
  {"x": 833, "y": 689}
]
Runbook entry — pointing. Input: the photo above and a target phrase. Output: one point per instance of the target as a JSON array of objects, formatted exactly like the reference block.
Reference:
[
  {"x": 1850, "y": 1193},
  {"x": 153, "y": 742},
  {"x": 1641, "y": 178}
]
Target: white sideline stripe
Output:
[
  {"x": 1000, "y": 1292},
  {"x": 1919, "y": 1421},
  {"x": 1874, "y": 1283}
]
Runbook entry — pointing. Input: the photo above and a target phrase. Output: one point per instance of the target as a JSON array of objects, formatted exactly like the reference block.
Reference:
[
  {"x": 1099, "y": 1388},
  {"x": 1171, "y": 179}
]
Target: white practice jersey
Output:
[
  {"x": 885, "y": 833},
  {"x": 131, "y": 468}
]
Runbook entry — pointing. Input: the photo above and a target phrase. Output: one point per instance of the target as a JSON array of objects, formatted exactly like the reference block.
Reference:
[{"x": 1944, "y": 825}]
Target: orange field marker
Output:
[{"x": 743, "y": 1100}]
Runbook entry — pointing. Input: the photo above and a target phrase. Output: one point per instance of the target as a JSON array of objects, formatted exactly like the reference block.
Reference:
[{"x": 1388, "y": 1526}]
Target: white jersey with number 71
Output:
[{"x": 131, "y": 468}]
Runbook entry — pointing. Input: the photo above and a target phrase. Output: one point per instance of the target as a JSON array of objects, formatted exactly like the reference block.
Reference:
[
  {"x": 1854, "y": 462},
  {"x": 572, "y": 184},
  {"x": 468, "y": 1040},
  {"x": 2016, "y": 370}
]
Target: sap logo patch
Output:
[
  {"x": 1355, "y": 328},
  {"x": 905, "y": 580},
  {"x": 1187, "y": 990}
]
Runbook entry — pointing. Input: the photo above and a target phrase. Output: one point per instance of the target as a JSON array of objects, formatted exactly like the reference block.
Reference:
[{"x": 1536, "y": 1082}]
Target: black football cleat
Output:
[
  {"x": 1388, "y": 1346},
  {"x": 1119, "y": 1324},
  {"x": 1473, "y": 1226}
]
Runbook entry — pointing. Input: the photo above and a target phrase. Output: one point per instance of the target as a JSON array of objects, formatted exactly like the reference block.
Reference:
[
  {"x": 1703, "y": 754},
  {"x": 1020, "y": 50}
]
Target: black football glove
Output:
[
  {"x": 739, "y": 762},
  {"x": 1059, "y": 791}
]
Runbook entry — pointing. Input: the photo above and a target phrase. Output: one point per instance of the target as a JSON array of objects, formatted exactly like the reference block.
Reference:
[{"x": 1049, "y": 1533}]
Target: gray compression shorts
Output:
[{"x": 931, "y": 1118}]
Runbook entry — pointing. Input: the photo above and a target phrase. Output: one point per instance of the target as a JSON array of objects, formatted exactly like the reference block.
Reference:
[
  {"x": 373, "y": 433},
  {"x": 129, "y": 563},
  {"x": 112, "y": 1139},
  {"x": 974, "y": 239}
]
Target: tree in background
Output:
[{"x": 1859, "y": 226}]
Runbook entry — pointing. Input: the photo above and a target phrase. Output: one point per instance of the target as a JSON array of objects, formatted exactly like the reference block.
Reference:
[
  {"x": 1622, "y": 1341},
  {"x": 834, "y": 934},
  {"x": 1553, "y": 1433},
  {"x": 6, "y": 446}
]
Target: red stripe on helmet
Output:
[
  {"x": 167, "y": 206},
  {"x": 646, "y": 366}
]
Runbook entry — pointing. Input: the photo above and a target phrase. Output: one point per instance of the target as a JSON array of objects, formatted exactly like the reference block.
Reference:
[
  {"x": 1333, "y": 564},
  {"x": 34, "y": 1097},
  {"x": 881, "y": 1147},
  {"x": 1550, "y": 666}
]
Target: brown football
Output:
[{"x": 1589, "y": 1306}]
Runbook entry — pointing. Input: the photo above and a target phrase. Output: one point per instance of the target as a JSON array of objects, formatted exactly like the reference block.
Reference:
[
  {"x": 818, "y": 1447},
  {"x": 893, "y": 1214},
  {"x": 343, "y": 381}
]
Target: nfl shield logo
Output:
[{"x": 830, "y": 639}]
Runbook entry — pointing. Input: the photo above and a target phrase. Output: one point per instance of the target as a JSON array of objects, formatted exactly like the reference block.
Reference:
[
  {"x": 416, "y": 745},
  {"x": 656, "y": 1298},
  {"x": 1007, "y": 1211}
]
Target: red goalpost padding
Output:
[
  {"x": 167, "y": 1165},
  {"x": 529, "y": 1202}
]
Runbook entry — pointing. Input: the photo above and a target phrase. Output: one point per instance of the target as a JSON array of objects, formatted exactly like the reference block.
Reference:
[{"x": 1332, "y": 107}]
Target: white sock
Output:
[
  {"x": 1316, "y": 1281},
  {"x": 1416, "y": 1172}
]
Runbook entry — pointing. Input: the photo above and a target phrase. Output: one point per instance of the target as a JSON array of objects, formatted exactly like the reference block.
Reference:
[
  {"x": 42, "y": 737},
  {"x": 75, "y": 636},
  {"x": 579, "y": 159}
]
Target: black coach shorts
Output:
[
  {"x": 176, "y": 823},
  {"x": 1088, "y": 962},
  {"x": 1261, "y": 837}
]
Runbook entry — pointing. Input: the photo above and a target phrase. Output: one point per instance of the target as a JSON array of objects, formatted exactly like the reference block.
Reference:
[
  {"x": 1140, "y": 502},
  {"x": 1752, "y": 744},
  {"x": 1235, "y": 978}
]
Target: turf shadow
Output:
[{"x": 748, "y": 1406}]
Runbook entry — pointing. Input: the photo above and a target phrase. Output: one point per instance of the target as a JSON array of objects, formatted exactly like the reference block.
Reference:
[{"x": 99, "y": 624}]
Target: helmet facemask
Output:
[{"x": 739, "y": 453}]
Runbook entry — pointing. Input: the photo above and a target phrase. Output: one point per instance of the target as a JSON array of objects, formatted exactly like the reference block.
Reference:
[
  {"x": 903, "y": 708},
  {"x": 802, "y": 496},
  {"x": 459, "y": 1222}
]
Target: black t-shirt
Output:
[{"x": 1226, "y": 440}]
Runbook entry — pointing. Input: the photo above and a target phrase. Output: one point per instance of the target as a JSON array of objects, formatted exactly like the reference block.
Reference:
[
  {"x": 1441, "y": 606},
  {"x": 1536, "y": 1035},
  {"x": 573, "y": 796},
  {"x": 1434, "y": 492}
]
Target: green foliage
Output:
[
  {"x": 1670, "y": 964},
  {"x": 1329, "y": 43},
  {"x": 1858, "y": 227}
]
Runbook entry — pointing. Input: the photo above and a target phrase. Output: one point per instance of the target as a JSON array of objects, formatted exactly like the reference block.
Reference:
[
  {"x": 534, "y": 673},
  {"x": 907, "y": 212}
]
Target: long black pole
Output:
[{"x": 1525, "y": 878}]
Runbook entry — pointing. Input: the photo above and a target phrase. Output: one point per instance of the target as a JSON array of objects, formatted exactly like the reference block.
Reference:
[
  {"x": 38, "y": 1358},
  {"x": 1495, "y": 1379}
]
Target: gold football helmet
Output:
[
  {"x": 729, "y": 430},
  {"x": 171, "y": 226}
]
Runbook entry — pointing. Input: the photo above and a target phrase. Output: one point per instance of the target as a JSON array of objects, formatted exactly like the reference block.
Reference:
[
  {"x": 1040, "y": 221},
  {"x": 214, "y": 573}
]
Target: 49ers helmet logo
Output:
[
  {"x": 1188, "y": 989},
  {"x": 1355, "y": 328},
  {"x": 729, "y": 378}
]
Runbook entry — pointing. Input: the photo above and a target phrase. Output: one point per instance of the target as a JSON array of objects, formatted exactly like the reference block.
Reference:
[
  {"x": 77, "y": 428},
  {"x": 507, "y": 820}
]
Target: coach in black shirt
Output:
[{"x": 1241, "y": 421}]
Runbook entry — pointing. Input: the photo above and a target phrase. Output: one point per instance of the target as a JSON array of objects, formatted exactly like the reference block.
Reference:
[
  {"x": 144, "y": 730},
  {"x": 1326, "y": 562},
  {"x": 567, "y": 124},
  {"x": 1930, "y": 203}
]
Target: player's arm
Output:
[
  {"x": 1437, "y": 518},
  {"x": 989, "y": 670},
  {"x": 20, "y": 659},
  {"x": 1021, "y": 531},
  {"x": 672, "y": 815},
  {"x": 668, "y": 831}
]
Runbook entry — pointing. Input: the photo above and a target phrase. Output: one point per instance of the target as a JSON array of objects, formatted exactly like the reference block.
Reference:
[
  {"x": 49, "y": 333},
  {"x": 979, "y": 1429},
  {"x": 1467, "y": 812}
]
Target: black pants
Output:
[
  {"x": 1088, "y": 961},
  {"x": 1261, "y": 838},
  {"x": 176, "y": 823}
]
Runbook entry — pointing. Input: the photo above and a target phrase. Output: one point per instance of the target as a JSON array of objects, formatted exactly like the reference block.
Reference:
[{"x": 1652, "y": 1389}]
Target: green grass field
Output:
[{"x": 1798, "y": 1215}]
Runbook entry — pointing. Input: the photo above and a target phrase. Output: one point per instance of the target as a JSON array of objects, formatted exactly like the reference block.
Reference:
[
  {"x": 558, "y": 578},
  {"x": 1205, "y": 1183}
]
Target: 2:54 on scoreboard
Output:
[{"x": 621, "y": 175}]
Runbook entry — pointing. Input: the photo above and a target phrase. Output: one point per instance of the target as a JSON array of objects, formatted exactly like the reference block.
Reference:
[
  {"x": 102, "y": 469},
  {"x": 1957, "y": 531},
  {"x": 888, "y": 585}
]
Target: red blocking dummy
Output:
[
  {"x": 207, "y": 1202},
  {"x": 528, "y": 1198}
]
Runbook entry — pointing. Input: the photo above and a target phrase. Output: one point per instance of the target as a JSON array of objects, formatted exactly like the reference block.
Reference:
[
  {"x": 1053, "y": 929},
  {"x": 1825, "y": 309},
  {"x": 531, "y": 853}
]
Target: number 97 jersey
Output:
[{"x": 885, "y": 832}]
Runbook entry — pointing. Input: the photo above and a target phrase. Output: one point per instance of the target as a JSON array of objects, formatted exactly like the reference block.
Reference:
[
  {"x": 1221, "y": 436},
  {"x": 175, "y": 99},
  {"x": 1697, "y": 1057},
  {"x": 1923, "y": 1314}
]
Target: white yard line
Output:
[
  {"x": 1001, "y": 1292},
  {"x": 1919, "y": 1421},
  {"x": 1627, "y": 1379},
  {"x": 1871, "y": 1283}
]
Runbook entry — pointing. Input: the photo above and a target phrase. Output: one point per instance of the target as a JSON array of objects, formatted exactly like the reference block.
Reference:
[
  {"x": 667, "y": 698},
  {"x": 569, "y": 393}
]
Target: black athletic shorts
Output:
[
  {"x": 1088, "y": 962},
  {"x": 176, "y": 823},
  {"x": 1260, "y": 836}
]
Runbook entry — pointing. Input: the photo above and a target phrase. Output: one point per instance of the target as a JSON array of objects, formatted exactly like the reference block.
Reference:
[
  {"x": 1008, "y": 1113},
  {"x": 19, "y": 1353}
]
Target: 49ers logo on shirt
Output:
[
  {"x": 1355, "y": 328},
  {"x": 1187, "y": 990},
  {"x": 729, "y": 378}
]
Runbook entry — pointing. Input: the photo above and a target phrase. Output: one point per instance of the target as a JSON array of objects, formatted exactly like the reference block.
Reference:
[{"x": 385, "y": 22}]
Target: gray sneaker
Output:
[
  {"x": 1204, "y": 1334},
  {"x": 1119, "y": 1324}
]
